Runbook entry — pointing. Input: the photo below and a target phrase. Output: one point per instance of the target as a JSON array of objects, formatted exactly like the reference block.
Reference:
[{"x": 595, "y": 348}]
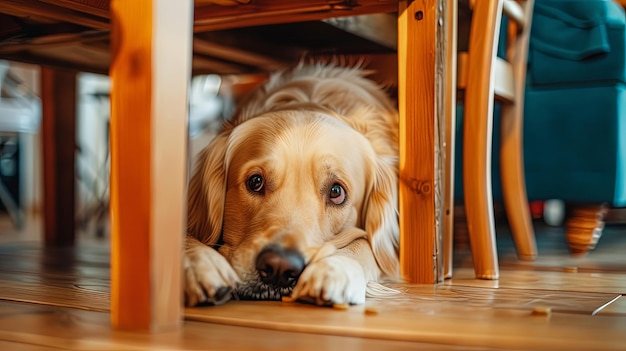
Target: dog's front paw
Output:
[
  {"x": 332, "y": 280},
  {"x": 209, "y": 278}
]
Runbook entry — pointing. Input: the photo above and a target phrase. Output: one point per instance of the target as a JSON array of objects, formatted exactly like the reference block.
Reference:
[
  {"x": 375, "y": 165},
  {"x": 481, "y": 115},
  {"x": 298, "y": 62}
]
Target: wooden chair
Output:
[{"x": 484, "y": 77}]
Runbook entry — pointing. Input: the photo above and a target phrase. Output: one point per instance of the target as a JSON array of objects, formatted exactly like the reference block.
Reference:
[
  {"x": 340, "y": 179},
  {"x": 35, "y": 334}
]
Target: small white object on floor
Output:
[{"x": 554, "y": 212}]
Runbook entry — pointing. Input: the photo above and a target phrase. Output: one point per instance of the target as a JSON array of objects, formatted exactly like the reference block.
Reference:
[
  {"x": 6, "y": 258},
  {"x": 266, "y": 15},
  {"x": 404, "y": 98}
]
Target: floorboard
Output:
[
  {"x": 37, "y": 327},
  {"x": 58, "y": 298}
]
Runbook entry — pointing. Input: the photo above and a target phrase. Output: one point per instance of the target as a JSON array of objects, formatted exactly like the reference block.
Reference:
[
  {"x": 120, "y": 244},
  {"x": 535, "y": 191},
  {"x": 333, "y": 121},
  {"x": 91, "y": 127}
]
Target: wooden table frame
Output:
[{"x": 150, "y": 71}]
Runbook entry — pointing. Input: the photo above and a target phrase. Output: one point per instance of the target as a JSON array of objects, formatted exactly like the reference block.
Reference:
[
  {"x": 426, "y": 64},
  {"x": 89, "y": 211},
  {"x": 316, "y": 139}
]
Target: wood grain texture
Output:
[
  {"x": 98, "y": 8},
  {"x": 262, "y": 12},
  {"x": 32, "y": 327},
  {"x": 71, "y": 296},
  {"x": 472, "y": 326},
  {"x": 76, "y": 276},
  {"x": 131, "y": 124},
  {"x": 485, "y": 78},
  {"x": 58, "y": 95},
  {"x": 151, "y": 41},
  {"x": 538, "y": 278},
  {"x": 62, "y": 289},
  {"x": 584, "y": 226},
  {"x": 450, "y": 102},
  {"x": 477, "y": 136},
  {"x": 51, "y": 12},
  {"x": 209, "y": 15},
  {"x": 70, "y": 18},
  {"x": 511, "y": 138},
  {"x": 420, "y": 181}
]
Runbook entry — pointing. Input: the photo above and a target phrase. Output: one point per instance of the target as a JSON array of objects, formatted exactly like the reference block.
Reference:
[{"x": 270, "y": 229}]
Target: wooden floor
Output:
[{"x": 53, "y": 299}]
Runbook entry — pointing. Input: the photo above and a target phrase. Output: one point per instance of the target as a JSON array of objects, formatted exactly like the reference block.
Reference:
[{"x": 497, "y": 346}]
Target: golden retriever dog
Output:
[{"x": 297, "y": 195}]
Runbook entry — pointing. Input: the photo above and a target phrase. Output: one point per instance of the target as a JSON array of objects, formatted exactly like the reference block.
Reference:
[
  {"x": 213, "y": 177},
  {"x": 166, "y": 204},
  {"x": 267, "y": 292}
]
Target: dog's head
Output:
[{"x": 272, "y": 191}]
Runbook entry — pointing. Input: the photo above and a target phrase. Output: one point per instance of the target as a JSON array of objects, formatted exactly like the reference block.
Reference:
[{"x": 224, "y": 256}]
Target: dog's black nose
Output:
[{"x": 279, "y": 266}]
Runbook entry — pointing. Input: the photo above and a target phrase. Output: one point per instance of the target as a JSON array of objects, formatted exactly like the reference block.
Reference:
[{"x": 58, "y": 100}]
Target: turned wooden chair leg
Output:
[
  {"x": 478, "y": 199},
  {"x": 514, "y": 187},
  {"x": 477, "y": 136},
  {"x": 583, "y": 227},
  {"x": 512, "y": 150},
  {"x": 514, "y": 183}
]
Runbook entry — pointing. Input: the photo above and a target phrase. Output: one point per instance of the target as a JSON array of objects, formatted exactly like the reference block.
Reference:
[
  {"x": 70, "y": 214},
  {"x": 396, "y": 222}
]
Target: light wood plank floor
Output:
[{"x": 54, "y": 299}]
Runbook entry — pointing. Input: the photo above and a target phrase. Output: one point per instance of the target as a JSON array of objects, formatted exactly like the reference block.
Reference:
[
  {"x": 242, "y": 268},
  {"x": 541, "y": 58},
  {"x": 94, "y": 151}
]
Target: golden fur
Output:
[{"x": 305, "y": 131}]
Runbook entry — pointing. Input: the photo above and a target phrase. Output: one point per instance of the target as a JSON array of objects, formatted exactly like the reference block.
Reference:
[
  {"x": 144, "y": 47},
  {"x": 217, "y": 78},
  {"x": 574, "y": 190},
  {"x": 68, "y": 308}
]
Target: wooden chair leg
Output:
[
  {"x": 478, "y": 197},
  {"x": 511, "y": 148},
  {"x": 514, "y": 183},
  {"x": 583, "y": 227},
  {"x": 477, "y": 136}
]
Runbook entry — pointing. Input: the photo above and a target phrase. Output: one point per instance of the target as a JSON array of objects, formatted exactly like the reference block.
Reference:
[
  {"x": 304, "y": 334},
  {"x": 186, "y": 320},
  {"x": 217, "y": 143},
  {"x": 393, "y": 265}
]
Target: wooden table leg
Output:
[
  {"x": 421, "y": 61},
  {"x": 58, "y": 94},
  {"x": 150, "y": 71}
]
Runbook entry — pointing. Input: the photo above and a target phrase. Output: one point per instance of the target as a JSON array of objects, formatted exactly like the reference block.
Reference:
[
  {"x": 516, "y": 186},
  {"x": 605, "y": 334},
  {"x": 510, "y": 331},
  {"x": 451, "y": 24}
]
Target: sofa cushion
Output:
[
  {"x": 575, "y": 144},
  {"x": 577, "y": 42}
]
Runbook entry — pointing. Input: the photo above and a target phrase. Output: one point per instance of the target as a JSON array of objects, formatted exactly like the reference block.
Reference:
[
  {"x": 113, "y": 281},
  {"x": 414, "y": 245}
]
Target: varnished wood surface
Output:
[
  {"x": 448, "y": 165},
  {"x": 36, "y": 327},
  {"x": 58, "y": 91},
  {"x": 419, "y": 153},
  {"x": 473, "y": 326},
  {"x": 142, "y": 150},
  {"x": 477, "y": 136},
  {"x": 75, "y": 277},
  {"x": 75, "y": 33},
  {"x": 62, "y": 299},
  {"x": 511, "y": 130},
  {"x": 150, "y": 77},
  {"x": 584, "y": 227},
  {"x": 485, "y": 78}
]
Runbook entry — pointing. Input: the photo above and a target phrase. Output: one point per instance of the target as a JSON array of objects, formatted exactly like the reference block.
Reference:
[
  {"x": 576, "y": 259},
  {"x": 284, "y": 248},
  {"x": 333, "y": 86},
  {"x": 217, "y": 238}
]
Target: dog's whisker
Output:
[{"x": 255, "y": 289}]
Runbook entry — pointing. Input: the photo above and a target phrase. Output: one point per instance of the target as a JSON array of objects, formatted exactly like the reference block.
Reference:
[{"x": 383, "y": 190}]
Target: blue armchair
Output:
[{"x": 575, "y": 112}]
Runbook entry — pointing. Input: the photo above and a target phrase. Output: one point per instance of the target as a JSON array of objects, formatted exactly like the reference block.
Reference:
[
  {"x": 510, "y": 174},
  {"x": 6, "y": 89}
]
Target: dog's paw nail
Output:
[{"x": 222, "y": 294}]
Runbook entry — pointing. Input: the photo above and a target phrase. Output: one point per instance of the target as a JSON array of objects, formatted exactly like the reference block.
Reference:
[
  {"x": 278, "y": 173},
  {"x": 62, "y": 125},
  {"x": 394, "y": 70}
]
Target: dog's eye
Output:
[
  {"x": 337, "y": 194},
  {"x": 255, "y": 183}
]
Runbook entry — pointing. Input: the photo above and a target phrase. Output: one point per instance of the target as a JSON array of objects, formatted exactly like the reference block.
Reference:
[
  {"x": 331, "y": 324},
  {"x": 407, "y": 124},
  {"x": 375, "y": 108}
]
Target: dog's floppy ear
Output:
[
  {"x": 207, "y": 191},
  {"x": 381, "y": 216}
]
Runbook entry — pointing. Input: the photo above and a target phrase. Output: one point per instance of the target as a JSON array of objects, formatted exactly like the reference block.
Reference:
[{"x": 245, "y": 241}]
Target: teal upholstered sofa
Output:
[
  {"x": 575, "y": 114},
  {"x": 575, "y": 103}
]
